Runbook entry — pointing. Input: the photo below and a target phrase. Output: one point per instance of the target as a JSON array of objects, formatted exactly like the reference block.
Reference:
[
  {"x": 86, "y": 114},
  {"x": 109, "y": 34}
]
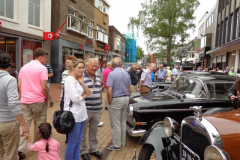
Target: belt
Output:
[
  {"x": 121, "y": 96},
  {"x": 145, "y": 86}
]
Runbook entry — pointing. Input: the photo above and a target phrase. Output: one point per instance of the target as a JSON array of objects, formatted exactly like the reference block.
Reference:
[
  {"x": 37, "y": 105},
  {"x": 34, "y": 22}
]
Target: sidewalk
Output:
[{"x": 104, "y": 135}]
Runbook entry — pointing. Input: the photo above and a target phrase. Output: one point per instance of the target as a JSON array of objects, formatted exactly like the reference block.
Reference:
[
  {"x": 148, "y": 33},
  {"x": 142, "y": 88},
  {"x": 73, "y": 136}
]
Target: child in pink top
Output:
[{"x": 47, "y": 147}]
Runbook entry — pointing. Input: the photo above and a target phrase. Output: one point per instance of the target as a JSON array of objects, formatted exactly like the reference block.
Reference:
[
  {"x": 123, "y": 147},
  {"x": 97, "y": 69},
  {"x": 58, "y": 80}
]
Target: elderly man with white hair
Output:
[
  {"x": 94, "y": 110},
  {"x": 105, "y": 76}
]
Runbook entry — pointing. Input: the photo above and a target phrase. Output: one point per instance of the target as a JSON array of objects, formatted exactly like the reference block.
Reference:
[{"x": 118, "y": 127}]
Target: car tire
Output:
[
  {"x": 156, "y": 124},
  {"x": 146, "y": 152}
]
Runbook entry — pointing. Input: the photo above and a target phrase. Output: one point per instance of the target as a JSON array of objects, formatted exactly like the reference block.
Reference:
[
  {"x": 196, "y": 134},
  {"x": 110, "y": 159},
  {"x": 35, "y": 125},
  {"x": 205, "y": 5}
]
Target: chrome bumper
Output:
[{"x": 135, "y": 133}]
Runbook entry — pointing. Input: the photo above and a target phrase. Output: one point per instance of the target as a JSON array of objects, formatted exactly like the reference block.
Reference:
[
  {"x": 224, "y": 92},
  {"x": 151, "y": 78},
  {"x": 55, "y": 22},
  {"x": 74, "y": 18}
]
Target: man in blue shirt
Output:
[
  {"x": 175, "y": 72},
  {"x": 119, "y": 90},
  {"x": 162, "y": 74}
]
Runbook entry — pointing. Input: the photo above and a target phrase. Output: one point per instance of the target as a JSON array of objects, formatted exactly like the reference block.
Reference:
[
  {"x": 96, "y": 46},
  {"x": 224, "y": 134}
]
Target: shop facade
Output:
[{"x": 61, "y": 48}]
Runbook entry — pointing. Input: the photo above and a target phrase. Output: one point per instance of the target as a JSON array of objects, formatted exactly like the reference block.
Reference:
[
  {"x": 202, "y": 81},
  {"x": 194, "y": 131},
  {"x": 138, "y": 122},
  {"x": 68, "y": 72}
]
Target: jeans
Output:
[{"x": 72, "y": 151}]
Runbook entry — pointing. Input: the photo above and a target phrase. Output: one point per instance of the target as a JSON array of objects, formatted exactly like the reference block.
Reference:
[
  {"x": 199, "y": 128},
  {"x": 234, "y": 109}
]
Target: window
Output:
[
  {"x": 90, "y": 31},
  {"x": 84, "y": 28},
  {"x": 218, "y": 35},
  {"x": 34, "y": 12},
  {"x": 231, "y": 33},
  {"x": 118, "y": 43},
  {"x": 237, "y": 28},
  {"x": 71, "y": 11},
  {"x": 226, "y": 31},
  {"x": 98, "y": 27},
  {"x": 7, "y": 8},
  {"x": 81, "y": 17},
  {"x": 103, "y": 30}
]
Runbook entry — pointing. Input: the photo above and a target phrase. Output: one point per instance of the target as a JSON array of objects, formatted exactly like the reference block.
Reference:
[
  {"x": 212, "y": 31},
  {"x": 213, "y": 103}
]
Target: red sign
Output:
[
  {"x": 90, "y": 42},
  {"x": 106, "y": 48},
  {"x": 80, "y": 46},
  {"x": 0, "y": 24},
  {"x": 48, "y": 36}
]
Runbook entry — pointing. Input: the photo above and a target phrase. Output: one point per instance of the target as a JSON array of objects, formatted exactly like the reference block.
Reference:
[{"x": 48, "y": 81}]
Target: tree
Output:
[
  {"x": 163, "y": 20},
  {"x": 140, "y": 53}
]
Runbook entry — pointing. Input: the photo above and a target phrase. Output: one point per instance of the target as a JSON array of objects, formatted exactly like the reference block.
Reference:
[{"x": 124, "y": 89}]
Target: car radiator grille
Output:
[{"x": 195, "y": 141}]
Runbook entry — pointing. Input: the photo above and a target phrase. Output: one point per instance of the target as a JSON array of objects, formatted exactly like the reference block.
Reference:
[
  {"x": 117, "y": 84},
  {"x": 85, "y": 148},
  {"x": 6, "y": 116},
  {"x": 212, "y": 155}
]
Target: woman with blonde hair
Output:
[{"x": 75, "y": 93}]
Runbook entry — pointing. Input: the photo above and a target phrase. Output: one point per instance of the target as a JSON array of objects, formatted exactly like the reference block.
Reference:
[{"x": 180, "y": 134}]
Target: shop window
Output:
[
  {"x": 34, "y": 12},
  {"x": 7, "y": 8}
]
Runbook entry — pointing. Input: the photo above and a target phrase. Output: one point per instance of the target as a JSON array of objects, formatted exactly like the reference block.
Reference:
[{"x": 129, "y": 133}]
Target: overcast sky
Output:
[{"x": 122, "y": 10}]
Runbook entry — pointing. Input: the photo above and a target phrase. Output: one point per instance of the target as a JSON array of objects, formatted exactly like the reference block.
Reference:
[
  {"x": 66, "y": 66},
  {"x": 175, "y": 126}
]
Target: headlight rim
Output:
[
  {"x": 173, "y": 124},
  {"x": 223, "y": 154}
]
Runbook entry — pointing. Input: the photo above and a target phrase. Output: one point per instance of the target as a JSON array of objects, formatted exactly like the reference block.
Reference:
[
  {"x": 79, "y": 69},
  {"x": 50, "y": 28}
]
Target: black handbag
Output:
[{"x": 63, "y": 121}]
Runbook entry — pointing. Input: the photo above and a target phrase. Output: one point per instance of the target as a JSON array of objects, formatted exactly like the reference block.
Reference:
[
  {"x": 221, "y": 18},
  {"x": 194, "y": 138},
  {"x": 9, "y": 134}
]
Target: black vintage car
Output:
[
  {"x": 214, "y": 135},
  {"x": 148, "y": 111}
]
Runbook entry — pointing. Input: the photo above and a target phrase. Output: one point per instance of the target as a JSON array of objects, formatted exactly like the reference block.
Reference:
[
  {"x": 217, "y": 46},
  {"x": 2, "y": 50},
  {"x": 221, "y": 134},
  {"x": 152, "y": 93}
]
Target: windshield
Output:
[{"x": 192, "y": 88}]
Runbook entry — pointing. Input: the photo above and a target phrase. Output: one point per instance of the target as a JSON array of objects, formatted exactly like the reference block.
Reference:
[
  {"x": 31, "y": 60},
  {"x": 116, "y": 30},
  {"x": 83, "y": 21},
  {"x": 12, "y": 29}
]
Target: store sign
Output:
[
  {"x": 106, "y": 48},
  {"x": 0, "y": 24},
  {"x": 48, "y": 36},
  {"x": 80, "y": 46},
  {"x": 90, "y": 42}
]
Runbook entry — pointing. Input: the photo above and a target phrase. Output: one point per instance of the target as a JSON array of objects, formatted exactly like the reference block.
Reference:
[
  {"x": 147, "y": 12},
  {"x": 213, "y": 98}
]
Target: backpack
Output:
[{"x": 63, "y": 121}]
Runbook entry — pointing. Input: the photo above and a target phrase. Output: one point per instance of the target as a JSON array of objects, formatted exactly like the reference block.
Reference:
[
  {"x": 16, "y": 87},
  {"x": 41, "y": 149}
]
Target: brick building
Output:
[
  {"x": 21, "y": 30},
  {"x": 101, "y": 24},
  {"x": 117, "y": 44},
  {"x": 76, "y": 36}
]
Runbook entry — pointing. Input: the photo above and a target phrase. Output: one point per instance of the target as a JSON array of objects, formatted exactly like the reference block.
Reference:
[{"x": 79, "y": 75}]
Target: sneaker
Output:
[
  {"x": 51, "y": 104},
  {"x": 112, "y": 148},
  {"x": 100, "y": 124}
]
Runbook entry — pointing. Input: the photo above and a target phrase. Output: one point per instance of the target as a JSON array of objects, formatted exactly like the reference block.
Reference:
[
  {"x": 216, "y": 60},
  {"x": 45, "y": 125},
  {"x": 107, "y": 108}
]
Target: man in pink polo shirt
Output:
[
  {"x": 105, "y": 76},
  {"x": 32, "y": 85}
]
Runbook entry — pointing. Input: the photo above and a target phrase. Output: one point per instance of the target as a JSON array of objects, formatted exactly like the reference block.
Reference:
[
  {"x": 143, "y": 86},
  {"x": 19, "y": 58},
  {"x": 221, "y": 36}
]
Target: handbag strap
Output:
[{"x": 62, "y": 101}]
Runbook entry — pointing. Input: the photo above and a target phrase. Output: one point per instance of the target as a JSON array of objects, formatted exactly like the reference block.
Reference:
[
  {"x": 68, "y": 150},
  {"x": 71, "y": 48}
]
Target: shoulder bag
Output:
[{"x": 63, "y": 121}]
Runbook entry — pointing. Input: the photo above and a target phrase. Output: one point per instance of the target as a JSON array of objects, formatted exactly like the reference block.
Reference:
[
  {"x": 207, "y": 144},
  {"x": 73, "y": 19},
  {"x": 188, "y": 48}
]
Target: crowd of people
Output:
[{"x": 87, "y": 88}]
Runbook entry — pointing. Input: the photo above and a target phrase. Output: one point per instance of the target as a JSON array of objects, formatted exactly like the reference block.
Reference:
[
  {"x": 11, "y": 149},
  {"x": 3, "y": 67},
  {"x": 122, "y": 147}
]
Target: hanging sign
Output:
[
  {"x": 48, "y": 36},
  {"x": 106, "y": 48}
]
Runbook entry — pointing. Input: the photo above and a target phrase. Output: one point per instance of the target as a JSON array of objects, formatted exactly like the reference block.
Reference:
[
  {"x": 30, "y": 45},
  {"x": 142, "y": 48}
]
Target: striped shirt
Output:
[
  {"x": 49, "y": 68},
  {"x": 93, "y": 102},
  {"x": 120, "y": 81}
]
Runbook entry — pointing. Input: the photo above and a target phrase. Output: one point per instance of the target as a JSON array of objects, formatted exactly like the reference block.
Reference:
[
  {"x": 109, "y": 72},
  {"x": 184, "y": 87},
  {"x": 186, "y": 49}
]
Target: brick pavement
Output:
[{"x": 104, "y": 134}]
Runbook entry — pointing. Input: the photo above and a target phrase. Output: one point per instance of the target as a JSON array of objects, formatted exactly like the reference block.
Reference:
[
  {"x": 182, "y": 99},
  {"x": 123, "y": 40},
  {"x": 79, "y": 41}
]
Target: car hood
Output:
[
  {"x": 151, "y": 97},
  {"x": 228, "y": 125}
]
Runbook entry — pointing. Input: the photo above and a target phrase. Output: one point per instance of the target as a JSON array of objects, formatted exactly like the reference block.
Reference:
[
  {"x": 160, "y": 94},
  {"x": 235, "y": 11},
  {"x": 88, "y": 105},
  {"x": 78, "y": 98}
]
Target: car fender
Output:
[{"x": 157, "y": 138}]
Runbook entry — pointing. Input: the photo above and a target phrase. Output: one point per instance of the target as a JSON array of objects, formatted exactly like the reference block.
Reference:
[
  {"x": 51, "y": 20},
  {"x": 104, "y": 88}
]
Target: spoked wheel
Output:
[{"x": 147, "y": 153}]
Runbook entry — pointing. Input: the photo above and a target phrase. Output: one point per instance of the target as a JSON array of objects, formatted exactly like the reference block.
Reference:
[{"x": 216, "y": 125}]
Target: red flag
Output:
[
  {"x": 56, "y": 35},
  {"x": 48, "y": 36}
]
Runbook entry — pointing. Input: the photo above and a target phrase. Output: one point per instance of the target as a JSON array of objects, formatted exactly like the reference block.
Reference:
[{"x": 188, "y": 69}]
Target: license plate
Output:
[{"x": 188, "y": 154}]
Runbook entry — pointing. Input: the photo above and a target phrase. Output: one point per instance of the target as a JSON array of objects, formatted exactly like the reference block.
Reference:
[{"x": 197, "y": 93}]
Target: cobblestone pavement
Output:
[{"x": 104, "y": 135}]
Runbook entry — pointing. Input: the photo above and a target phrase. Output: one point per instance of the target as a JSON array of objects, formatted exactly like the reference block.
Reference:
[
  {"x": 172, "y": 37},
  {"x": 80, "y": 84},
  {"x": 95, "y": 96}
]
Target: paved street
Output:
[{"x": 104, "y": 135}]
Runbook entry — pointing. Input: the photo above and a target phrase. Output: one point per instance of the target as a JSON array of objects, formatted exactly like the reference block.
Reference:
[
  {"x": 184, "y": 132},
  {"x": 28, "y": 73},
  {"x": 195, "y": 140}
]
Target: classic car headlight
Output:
[
  {"x": 215, "y": 153},
  {"x": 170, "y": 126},
  {"x": 131, "y": 109}
]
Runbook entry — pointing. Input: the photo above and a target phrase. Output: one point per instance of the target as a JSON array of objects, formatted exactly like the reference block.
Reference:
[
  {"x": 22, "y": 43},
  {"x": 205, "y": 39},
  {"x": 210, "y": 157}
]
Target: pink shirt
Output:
[
  {"x": 40, "y": 147},
  {"x": 105, "y": 75},
  {"x": 32, "y": 75}
]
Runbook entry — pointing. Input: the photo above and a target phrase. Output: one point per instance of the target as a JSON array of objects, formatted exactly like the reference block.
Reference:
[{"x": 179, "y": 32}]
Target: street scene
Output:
[{"x": 119, "y": 80}]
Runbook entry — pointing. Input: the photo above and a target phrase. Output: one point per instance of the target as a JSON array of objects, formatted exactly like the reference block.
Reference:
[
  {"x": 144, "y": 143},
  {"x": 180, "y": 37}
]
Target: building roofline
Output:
[{"x": 203, "y": 16}]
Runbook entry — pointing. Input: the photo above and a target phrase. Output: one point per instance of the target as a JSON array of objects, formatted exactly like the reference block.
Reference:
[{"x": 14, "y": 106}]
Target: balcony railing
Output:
[
  {"x": 77, "y": 25},
  {"x": 102, "y": 37}
]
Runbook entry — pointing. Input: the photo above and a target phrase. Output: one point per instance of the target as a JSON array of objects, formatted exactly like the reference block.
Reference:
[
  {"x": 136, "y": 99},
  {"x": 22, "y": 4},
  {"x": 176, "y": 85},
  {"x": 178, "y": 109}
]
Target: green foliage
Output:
[
  {"x": 163, "y": 20},
  {"x": 140, "y": 53}
]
